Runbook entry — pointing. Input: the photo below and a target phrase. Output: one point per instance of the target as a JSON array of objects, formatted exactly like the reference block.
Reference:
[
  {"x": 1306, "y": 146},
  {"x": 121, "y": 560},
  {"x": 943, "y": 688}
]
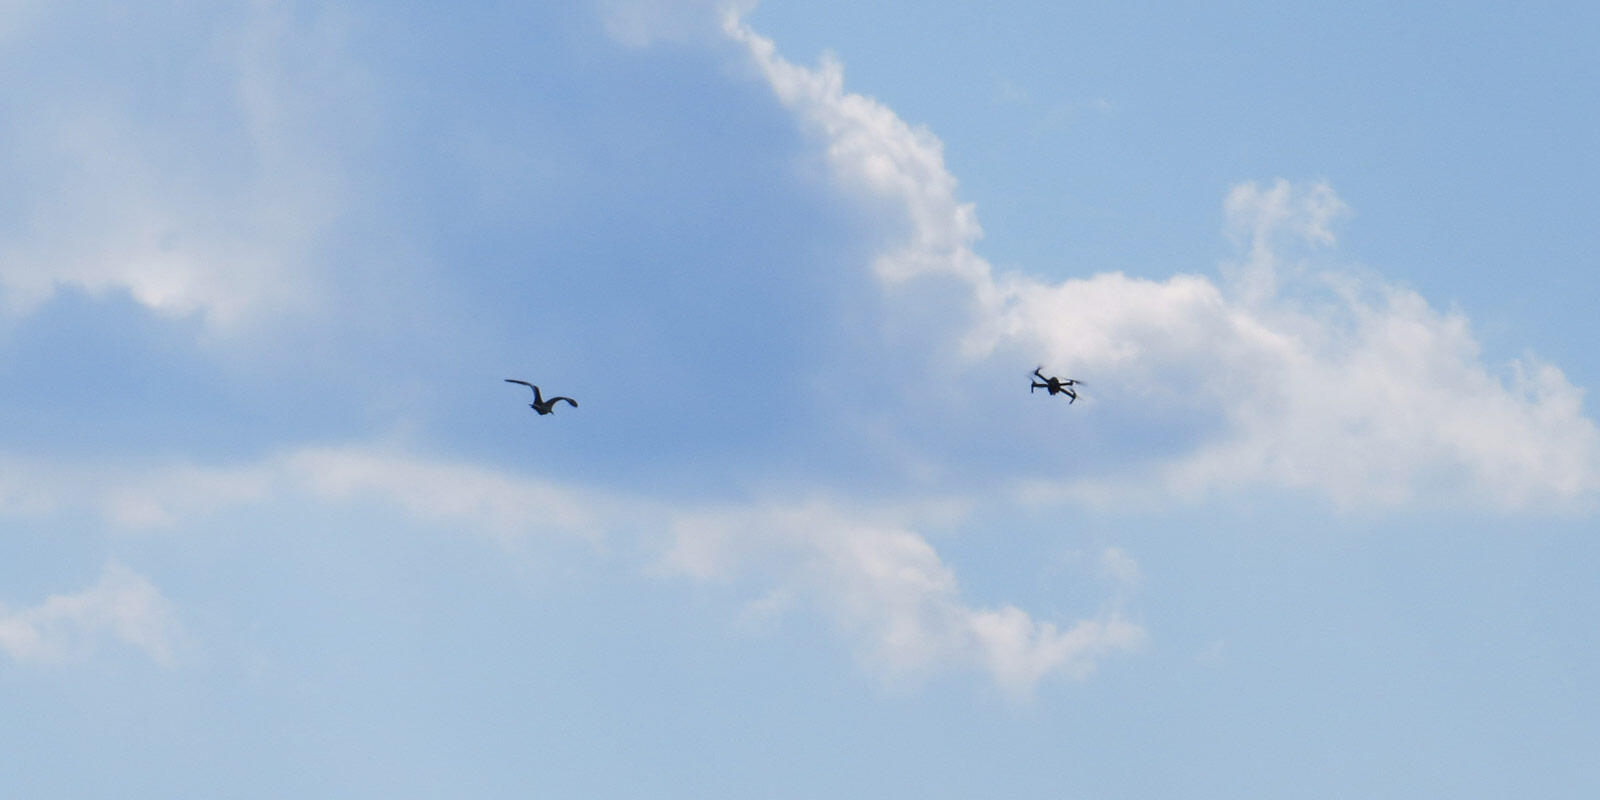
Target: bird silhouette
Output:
[
  {"x": 540, "y": 404},
  {"x": 1055, "y": 385}
]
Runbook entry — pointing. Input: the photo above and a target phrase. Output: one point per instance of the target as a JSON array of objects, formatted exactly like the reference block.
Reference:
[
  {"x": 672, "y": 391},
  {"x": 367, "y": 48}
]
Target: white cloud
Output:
[
  {"x": 1319, "y": 380},
  {"x": 123, "y": 606},
  {"x": 874, "y": 153},
  {"x": 224, "y": 224},
  {"x": 887, "y": 585},
  {"x": 866, "y": 570},
  {"x": 1268, "y": 221},
  {"x": 1354, "y": 388}
]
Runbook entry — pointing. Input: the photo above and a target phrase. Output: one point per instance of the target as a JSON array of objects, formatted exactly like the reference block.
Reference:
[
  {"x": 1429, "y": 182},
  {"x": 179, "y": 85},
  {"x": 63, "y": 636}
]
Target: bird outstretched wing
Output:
[
  {"x": 524, "y": 383},
  {"x": 569, "y": 400}
]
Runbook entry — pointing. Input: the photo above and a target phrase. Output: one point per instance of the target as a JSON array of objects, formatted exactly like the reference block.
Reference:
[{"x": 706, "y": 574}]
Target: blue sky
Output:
[{"x": 1321, "y": 524}]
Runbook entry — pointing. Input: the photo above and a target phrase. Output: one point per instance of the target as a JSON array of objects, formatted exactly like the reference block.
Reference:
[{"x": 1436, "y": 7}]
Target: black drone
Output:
[{"x": 1055, "y": 385}]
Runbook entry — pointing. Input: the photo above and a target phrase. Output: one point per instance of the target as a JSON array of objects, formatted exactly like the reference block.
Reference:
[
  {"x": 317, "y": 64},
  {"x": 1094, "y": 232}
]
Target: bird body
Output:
[{"x": 540, "y": 404}]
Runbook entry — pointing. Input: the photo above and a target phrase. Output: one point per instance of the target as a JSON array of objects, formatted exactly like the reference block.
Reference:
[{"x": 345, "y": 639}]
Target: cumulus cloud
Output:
[
  {"x": 1327, "y": 381},
  {"x": 877, "y": 155},
  {"x": 1304, "y": 377},
  {"x": 887, "y": 585},
  {"x": 216, "y": 213},
  {"x": 869, "y": 571},
  {"x": 123, "y": 606}
]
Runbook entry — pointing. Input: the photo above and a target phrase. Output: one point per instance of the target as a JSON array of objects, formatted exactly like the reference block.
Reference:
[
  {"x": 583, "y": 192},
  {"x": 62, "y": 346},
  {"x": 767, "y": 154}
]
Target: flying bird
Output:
[
  {"x": 540, "y": 404},
  {"x": 1055, "y": 385}
]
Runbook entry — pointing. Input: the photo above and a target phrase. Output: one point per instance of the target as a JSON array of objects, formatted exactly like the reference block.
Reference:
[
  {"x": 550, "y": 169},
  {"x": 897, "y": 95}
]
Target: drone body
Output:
[{"x": 1055, "y": 385}]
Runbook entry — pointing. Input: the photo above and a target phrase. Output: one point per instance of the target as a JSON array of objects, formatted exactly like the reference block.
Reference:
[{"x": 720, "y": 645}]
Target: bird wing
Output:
[
  {"x": 524, "y": 383},
  {"x": 569, "y": 400}
]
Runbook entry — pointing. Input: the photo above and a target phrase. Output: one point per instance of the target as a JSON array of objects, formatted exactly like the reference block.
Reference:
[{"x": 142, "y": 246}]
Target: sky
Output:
[{"x": 1320, "y": 523}]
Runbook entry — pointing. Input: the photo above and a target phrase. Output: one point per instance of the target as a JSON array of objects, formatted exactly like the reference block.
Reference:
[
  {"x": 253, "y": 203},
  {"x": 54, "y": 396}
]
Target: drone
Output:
[
  {"x": 540, "y": 404},
  {"x": 1055, "y": 385}
]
